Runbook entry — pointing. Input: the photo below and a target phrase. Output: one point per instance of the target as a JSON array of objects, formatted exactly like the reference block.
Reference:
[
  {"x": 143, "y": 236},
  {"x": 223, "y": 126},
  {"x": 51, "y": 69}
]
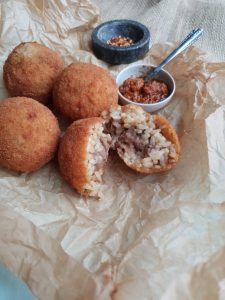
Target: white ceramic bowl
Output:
[{"x": 141, "y": 70}]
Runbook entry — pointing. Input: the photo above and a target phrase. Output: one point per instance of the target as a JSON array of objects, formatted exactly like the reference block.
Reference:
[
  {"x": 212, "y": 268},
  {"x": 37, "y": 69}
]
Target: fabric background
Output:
[{"x": 171, "y": 20}]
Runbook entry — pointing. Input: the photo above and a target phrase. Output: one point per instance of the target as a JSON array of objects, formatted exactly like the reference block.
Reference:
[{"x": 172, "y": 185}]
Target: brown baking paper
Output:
[
  {"x": 146, "y": 230},
  {"x": 41, "y": 262}
]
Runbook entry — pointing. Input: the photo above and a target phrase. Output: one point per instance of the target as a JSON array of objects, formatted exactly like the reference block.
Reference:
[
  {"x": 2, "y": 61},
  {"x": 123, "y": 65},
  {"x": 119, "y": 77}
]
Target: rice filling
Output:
[
  {"x": 137, "y": 140},
  {"x": 97, "y": 154}
]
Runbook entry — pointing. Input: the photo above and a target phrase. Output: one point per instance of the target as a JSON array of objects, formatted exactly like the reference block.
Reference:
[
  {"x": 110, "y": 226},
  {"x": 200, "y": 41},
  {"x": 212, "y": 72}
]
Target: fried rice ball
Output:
[
  {"x": 146, "y": 143},
  {"x": 84, "y": 90},
  {"x": 29, "y": 134},
  {"x": 31, "y": 70},
  {"x": 83, "y": 151}
]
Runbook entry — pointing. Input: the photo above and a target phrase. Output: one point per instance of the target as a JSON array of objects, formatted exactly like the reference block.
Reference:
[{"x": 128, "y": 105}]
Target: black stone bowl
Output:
[{"x": 120, "y": 54}]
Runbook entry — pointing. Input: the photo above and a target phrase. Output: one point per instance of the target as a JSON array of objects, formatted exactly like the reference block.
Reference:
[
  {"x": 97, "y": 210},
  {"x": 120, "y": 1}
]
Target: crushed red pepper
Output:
[
  {"x": 120, "y": 41},
  {"x": 138, "y": 90}
]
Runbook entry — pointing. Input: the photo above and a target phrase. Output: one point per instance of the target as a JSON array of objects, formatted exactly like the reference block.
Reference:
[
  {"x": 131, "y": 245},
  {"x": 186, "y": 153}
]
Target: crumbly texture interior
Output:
[
  {"x": 137, "y": 139},
  {"x": 97, "y": 154}
]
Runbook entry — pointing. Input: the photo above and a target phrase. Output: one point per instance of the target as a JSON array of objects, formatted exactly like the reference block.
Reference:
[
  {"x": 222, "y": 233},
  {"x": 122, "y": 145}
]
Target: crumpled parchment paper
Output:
[
  {"x": 41, "y": 262},
  {"x": 146, "y": 230}
]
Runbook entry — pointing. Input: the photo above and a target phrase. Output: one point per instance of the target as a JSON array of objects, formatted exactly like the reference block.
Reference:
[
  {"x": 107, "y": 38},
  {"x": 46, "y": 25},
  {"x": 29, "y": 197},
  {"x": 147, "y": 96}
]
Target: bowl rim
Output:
[
  {"x": 142, "y": 42},
  {"x": 148, "y": 104}
]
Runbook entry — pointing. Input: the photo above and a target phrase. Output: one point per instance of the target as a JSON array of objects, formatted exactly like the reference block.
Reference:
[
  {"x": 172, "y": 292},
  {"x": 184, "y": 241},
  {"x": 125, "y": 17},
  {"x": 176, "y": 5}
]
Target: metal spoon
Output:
[{"x": 193, "y": 36}]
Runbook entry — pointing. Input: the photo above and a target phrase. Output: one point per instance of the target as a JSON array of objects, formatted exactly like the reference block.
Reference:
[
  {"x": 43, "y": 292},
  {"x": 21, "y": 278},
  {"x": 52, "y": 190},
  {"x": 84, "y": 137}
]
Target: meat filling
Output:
[{"x": 131, "y": 137}]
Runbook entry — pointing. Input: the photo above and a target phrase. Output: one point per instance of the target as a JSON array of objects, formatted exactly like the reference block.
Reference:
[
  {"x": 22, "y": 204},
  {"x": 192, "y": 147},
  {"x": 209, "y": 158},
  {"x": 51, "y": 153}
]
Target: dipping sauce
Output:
[
  {"x": 120, "y": 41},
  {"x": 138, "y": 90}
]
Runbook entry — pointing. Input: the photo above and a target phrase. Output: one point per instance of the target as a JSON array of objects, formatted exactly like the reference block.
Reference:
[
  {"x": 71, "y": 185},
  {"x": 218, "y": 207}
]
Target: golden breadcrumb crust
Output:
[
  {"x": 29, "y": 134},
  {"x": 31, "y": 70},
  {"x": 84, "y": 90},
  {"x": 72, "y": 154}
]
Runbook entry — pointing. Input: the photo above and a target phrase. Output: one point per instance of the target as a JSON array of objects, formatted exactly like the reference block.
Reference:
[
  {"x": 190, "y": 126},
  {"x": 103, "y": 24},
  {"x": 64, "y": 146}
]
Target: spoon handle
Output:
[{"x": 193, "y": 36}]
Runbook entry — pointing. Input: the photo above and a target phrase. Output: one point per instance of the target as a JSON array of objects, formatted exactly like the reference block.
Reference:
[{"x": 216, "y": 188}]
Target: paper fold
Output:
[{"x": 146, "y": 230}]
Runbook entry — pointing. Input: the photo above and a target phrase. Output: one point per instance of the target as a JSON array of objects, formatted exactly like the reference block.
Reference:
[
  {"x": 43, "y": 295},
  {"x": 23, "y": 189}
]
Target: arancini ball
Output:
[
  {"x": 84, "y": 90},
  {"x": 29, "y": 134},
  {"x": 83, "y": 151},
  {"x": 31, "y": 70}
]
